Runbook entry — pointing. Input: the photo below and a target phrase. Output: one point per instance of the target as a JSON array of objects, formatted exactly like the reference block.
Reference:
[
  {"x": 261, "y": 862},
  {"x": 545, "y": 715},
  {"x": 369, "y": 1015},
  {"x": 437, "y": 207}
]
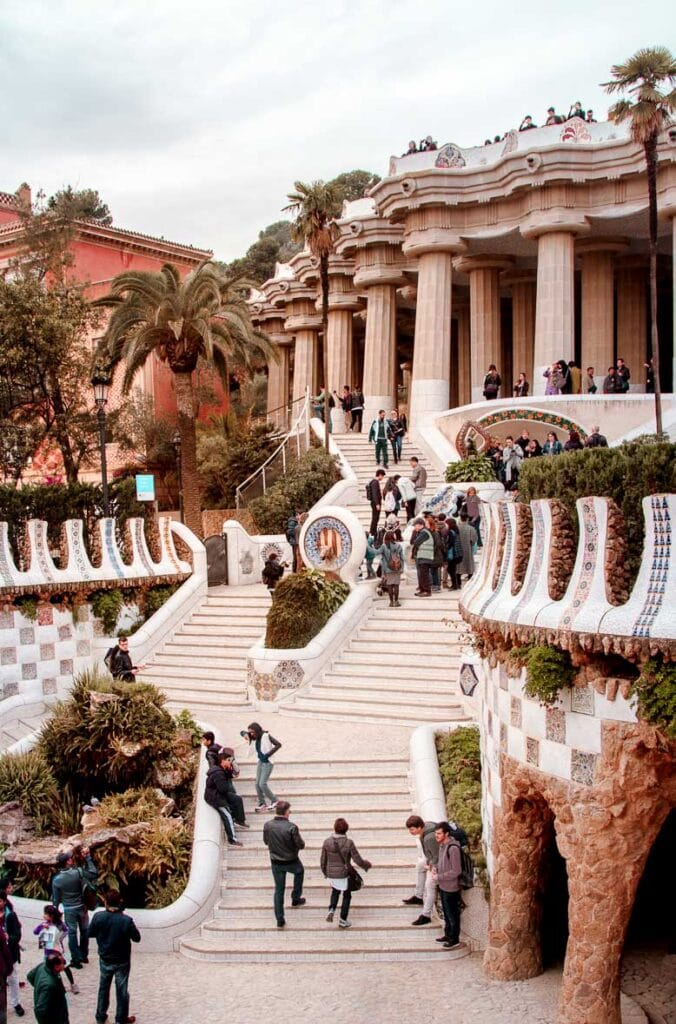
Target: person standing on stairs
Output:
[
  {"x": 391, "y": 564},
  {"x": 408, "y": 495},
  {"x": 378, "y": 435},
  {"x": 448, "y": 871},
  {"x": 337, "y": 852},
  {"x": 425, "y": 880},
  {"x": 422, "y": 543},
  {"x": 284, "y": 842},
  {"x": 419, "y": 481},
  {"x": 357, "y": 409},
  {"x": 374, "y": 493},
  {"x": 265, "y": 746}
]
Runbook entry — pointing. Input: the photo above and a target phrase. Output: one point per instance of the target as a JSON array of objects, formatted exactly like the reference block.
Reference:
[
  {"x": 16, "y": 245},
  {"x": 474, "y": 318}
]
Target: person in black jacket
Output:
[
  {"x": 284, "y": 842},
  {"x": 10, "y": 922},
  {"x": 213, "y": 749},
  {"x": 118, "y": 662},
  {"x": 114, "y": 932},
  {"x": 218, "y": 792},
  {"x": 374, "y": 493},
  {"x": 272, "y": 571}
]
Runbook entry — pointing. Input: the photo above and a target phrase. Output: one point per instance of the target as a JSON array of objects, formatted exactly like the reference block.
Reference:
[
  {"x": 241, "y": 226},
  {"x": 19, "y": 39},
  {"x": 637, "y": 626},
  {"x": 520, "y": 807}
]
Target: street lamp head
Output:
[
  {"x": 101, "y": 384},
  {"x": 176, "y": 439}
]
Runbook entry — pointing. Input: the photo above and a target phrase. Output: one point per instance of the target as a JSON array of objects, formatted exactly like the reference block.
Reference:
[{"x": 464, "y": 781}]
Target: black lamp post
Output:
[
  {"x": 176, "y": 444},
  {"x": 101, "y": 384}
]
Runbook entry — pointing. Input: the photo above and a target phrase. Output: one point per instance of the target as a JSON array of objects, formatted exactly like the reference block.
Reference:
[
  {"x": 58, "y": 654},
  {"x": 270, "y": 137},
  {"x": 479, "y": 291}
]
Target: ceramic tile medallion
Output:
[
  {"x": 327, "y": 543},
  {"x": 555, "y": 725},
  {"x": 270, "y": 549},
  {"x": 582, "y": 767},
  {"x": 6, "y": 620},
  {"x": 468, "y": 679},
  {"x": 582, "y": 700}
]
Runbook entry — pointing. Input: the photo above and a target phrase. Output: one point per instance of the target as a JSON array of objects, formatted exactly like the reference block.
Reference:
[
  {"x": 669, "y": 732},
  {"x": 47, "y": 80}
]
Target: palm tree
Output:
[
  {"x": 180, "y": 321},
  {"x": 314, "y": 208},
  {"x": 650, "y": 112}
]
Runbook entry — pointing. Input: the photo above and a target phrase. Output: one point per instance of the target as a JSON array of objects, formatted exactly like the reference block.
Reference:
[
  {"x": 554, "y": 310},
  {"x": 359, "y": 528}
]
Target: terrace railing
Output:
[{"x": 294, "y": 444}]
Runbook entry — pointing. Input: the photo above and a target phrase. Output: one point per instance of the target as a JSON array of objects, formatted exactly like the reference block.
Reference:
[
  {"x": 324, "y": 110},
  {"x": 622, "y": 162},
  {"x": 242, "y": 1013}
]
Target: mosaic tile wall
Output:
[{"x": 40, "y": 657}]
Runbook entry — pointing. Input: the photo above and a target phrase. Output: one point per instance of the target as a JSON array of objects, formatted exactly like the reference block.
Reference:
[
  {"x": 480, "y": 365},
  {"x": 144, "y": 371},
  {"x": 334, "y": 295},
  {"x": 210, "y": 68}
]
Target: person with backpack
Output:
[
  {"x": 440, "y": 545},
  {"x": 118, "y": 662},
  {"x": 335, "y": 861},
  {"x": 492, "y": 383},
  {"x": 292, "y": 534},
  {"x": 68, "y": 890},
  {"x": 272, "y": 571},
  {"x": 391, "y": 497},
  {"x": 448, "y": 873},
  {"x": 391, "y": 564},
  {"x": 357, "y": 409},
  {"x": 114, "y": 932},
  {"x": 425, "y": 893}
]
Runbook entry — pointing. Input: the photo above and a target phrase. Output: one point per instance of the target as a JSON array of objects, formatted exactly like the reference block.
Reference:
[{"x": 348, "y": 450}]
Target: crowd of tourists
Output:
[
  {"x": 351, "y": 402},
  {"x": 425, "y": 145},
  {"x": 443, "y": 864},
  {"x": 74, "y": 893},
  {"x": 564, "y": 377}
]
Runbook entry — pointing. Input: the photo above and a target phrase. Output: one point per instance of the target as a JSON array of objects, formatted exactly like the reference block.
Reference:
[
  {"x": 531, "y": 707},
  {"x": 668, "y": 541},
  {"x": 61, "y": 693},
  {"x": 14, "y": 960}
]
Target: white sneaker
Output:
[
  {"x": 344, "y": 924},
  {"x": 75, "y": 989},
  {"x": 273, "y": 807},
  {"x": 260, "y": 807}
]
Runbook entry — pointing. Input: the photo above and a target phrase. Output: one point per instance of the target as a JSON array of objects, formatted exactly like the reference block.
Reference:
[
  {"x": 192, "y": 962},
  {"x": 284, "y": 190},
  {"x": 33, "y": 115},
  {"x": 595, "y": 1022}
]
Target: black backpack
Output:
[
  {"x": 440, "y": 547},
  {"x": 466, "y": 880},
  {"x": 109, "y": 659}
]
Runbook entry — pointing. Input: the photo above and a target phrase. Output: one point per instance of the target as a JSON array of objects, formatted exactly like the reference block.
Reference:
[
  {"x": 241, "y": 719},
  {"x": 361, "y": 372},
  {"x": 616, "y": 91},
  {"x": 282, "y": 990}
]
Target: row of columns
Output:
[{"x": 543, "y": 316}]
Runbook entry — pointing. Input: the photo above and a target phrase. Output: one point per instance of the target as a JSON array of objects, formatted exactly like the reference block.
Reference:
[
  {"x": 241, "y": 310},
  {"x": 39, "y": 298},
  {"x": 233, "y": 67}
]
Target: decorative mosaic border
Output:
[{"x": 535, "y": 415}]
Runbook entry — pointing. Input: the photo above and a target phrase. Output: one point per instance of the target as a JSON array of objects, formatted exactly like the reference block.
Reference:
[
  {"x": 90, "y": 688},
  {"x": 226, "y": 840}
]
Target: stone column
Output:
[
  {"x": 464, "y": 354},
  {"x": 406, "y": 381},
  {"x": 555, "y": 304},
  {"x": 431, "y": 238},
  {"x": 278, "y": 384},
  {"x": 598, "y": 305},
  {"x": 523, "y": 323},
  {"x": 305, "y": 324},
  {"x": 343, "y": 302},
  {"x": 632, "y": 318},
  {"x": 379, "y": 273},
  {"x": 484, "y": 312}
]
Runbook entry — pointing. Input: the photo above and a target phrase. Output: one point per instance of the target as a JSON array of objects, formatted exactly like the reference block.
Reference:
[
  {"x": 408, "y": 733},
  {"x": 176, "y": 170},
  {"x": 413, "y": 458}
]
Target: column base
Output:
[
  {"x": 372, "y": 406},
  {"x": 427, "y": 396}
]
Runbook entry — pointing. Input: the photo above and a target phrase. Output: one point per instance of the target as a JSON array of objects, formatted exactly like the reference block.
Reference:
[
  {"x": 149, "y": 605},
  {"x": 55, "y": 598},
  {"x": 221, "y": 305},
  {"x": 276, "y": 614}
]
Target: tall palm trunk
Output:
[
  {"x": 324, "y": 279},
  {"x": 189, "y": 481},
  {"x": 650, "y": 148}
]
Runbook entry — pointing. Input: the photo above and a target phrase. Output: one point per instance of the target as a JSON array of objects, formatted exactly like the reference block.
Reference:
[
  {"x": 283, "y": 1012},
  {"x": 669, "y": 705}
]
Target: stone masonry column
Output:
[
  {"x": 304, "y": 323},
  {"x": 632, "y": 318},
  {"x": 343, "y": 302},
  {"x": 379, "y": 273},
  {"x": 598, "y": 305},
  {"x": 484, "y": 312},
  {"x": 555, "y": 231},
  {"x": 278, "y": 382},
  {"x": 464, "y": 354},
  {"x": 430, "y": 237},
  {"x": 523, "y": 323}
]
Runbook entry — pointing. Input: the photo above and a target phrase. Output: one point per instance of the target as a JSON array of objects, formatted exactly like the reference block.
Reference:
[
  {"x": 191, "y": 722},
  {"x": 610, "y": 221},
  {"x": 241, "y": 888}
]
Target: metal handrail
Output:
[{"x": 301, "y": 426}]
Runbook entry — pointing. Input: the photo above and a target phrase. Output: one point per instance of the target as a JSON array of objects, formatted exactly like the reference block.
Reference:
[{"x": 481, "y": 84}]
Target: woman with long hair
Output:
[
  {"x": 337, "y": 854},
  {"x": 265, "y": 746}
]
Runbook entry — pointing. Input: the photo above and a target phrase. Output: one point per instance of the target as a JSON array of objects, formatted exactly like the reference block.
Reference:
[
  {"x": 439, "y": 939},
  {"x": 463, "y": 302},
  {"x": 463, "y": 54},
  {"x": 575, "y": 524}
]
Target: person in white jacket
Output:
[
  {"x": 408, "y": 495},
  {"x": 265, "y": 746}
]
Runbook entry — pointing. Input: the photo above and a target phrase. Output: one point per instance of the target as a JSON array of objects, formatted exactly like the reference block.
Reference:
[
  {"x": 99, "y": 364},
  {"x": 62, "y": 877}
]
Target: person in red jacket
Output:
[{"x": 449, "y": 869}]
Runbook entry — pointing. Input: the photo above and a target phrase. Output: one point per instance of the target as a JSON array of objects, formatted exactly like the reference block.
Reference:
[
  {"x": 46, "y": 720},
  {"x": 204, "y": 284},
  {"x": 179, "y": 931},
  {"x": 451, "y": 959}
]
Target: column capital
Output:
[
  {"x": 556, "y": 221},
  {"x": 433, "y": 240},
  {"x": 518, "y": 277},
  {"x": 482, "y": 261},
  {"x": 611, "y": 245},
  {"x": 302, "y": 322}
]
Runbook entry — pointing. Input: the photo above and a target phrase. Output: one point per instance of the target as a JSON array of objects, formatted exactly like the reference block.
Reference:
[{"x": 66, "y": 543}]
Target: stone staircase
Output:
[
  {"x": 361, "y": 456},
  {"x": 28, "y": 720},
  {"x": 400, "y": 666},
  {"x": 373, "y": 795},
  {"x": 203, "y": 665}
]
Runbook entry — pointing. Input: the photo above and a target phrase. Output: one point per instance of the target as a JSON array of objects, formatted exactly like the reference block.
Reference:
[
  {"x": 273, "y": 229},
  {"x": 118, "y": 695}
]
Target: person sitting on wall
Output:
[
  {"x": 487, "y": 142},
  {"x": 118, "y": 662},
  {"x": 272, "y": 571},
  {"x": 527, "y": 124},
  {"x": 412, "y": 148},
  {"x": 497, "y": 138},
  {"x": 576, "y": 110},
  {"x": 427, "y": 144},
  {"x": 552, "y": 117},
  {"x": 590, "y": 119}
]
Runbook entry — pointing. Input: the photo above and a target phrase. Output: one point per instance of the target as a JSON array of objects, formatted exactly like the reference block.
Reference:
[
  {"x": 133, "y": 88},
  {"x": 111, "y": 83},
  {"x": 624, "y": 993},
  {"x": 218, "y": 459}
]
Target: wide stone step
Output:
[
  {"x": 204, "y": 707},
  {"x": 208, "y": 643},
  {"x": 387, "y": 699},
  {"x": 402, "y": 659},
  {"x": 373, "y": 904},
  {"x": 175, "y": 654},
  {"x": 433, "y": 631},
  {"x": 334, "y": 947},
  {"x": 332, "y": 786},
  {"x": 302, "y": 922},
  {"x": 366, "y": 671},
  {"x": 332, "y": 769},
  {"x": 258, "y": 859},
  {"x": 230, "y": 618},
  {"x": 321, "y": 818},
  {"x": 347, "y": 710},
  {"x": 326, "y": 803},
  {"x": 439, "y": 687},
  {"x": 244, "y": 634},
  {"x": 400, "y": 647},
  {"x": 192, "y": 675}
]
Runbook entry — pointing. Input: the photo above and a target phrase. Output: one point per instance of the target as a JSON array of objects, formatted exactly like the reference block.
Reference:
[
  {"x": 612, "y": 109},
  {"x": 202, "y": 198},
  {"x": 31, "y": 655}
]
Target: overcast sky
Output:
[{"x": 194, "y": 118}]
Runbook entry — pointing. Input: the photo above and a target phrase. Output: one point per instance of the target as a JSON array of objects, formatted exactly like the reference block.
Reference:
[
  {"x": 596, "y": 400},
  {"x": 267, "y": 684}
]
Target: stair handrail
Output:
[{"x": 300, "y": 428}]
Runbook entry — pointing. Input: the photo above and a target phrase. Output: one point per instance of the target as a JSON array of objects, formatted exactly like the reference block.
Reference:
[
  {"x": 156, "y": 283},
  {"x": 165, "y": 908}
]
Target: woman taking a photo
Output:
[{"x": 337, "y": 853}]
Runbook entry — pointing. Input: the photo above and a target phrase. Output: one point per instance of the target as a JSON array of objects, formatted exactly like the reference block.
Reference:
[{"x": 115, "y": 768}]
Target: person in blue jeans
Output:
[
  {"x": 284, "y": 842},
  {"x": 265, "y": 746},
  {"x": 68, "y": 888},
  {"x": 114, "y": 932}
]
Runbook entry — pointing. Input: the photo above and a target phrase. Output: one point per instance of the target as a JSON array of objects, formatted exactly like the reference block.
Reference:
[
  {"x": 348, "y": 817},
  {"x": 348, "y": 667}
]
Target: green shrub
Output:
[
  {"x": 626, "y": 474},
  {"x": 655, "y": 690},
  {"x": 130, "y": 807},
  {"x": 29, "y": 779},
  {"x": 157, "y": 596},
  {"x": 302, "y": 604},
  {"x": 28, "y": 606},
  {"x": 548, "y": 671},
  {"x": 473, "y": 468},
  {"x": 226, "y": 460},
  {"x": 306, "y": 481},
  {"x": 184, "y": 721},
  {"x": 106, "y": 606},
  {"x": 459, "y": 756}
]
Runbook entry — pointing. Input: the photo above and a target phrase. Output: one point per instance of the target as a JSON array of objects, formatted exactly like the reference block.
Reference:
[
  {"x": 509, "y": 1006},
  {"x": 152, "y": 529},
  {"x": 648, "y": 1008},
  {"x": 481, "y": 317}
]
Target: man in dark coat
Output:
[
  {"x": 49, "y": 995},
  {"x": 284, "y": 842},
  {"x": 6, "y": 968},
  {"x": 119, "y": 663},
  {"x": 220, "y": 794},
  {"x": 12, "y": 926},
  {"x": 374, "y": 493},
  {"x": 114, "y": 932}
]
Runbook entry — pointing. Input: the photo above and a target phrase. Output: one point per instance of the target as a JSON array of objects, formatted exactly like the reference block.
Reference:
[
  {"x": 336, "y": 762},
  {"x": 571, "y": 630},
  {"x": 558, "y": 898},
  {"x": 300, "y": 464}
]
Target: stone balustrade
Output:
[{"x": 589, "y": 606}]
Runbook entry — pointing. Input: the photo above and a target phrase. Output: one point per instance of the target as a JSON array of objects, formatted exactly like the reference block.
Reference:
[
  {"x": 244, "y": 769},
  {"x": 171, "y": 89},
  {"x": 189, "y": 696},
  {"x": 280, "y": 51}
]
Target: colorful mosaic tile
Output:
[
  {"x": 49, "y": 686},
  {"x": 26, "y": 635},
  {"x": 582, "y": 766},
  {"x": 66, "y": 667},
  {"x": 504, "y": 679},
  {"x": 6, "y": 620},
  {"x": 45, "y": 615},
  {"x": 515, "y": 712},
  {"x": 503, "y": 737},
  {"x": 10, "y": 689},
  {"x": 47, "y": 652},
  {"x": 29, "y": 670},
  {"x": 65, "y": 632},
  {"x": 532, "y": 751},
  {"x": 8, "y": 656},
  {"x": 555, "y": 725},
  {"x": 582, "y": 700},
  {"x": 84, "y": 648}
]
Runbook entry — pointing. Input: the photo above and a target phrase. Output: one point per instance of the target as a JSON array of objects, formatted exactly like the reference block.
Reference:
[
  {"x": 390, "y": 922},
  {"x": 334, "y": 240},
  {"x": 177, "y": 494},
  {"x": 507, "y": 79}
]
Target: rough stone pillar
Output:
[
  {"x": 485, "y": 321},
  {"x": 598, "y": 305},
  {"x": 431, "y": 238},
  {"x": 464, "y": 355},
  {"x": 632, "y": 318},
  {"x": 523, "y": 323}
]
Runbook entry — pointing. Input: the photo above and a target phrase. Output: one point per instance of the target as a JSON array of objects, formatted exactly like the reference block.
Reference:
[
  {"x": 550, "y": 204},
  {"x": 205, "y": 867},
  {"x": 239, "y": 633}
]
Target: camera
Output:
[{"x": 244, "y": 733}]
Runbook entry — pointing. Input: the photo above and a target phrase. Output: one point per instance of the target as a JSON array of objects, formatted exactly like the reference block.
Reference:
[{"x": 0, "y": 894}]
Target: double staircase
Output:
[
  {"x": 203, "y": 665},
  {"x": 373, "y": 795}
]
